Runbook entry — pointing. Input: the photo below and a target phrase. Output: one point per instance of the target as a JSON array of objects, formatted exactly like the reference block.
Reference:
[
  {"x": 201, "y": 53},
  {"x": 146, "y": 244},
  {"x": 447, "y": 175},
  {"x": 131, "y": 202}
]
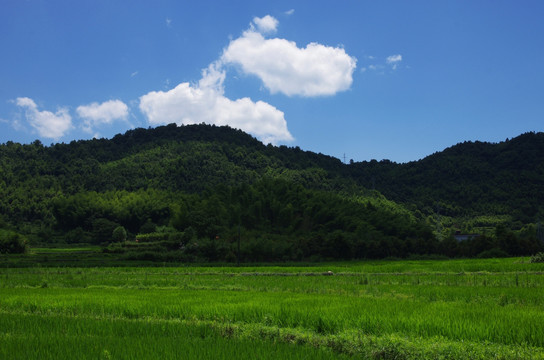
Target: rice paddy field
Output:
[{"x": 441, "y": 309}]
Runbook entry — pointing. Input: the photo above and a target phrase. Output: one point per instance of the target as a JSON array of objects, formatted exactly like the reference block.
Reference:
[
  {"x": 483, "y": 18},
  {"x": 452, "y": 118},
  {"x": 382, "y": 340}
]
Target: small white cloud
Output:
[
  {"x": 106, "y": 113},
  {"x": 290, "y": 12},
  {"x": 18, "y": 125},
  {"x": 47, "y": 124},
  {"x": 16, "y": 122},
  {"x": 134, "y": 74},
  {"x": 394, "y": 60},
  {"x": 376, "y": 68},
  {"x": 205, "y": 102},
  {"x": 266, "y": 24},
  {"x": 315, "y": 70},
  {"x": 168, "y": 22}
]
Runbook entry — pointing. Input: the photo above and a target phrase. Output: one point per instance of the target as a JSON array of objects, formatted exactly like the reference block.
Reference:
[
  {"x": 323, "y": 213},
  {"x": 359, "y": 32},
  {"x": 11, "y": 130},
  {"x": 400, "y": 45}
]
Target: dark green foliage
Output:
[
  {"x": 152, "y": 237},
  {"x": 148, "y": 227},
  {"x": 538, "y": 258},
  {"x": 468, "y": 179},
  {"x": 211, "y": 183},
  {"x": 493, "y": 253},
  {"x": 102, "y": 230},
  {"x": 119, "y": 234},
  {"x": 12, "y": 242},
  {"x": 279, "y": 220}
]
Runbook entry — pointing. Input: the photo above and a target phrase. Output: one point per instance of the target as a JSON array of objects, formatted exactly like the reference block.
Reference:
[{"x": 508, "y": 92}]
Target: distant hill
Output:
[
  {"x": 204, "y": 182},
  {"x": 468, "y": 179}
]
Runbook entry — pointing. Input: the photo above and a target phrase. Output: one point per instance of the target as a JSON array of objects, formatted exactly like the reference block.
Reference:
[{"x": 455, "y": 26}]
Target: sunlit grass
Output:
[
  {"x": 59, "y": 337},
  {"x": 429, "y": 310}
]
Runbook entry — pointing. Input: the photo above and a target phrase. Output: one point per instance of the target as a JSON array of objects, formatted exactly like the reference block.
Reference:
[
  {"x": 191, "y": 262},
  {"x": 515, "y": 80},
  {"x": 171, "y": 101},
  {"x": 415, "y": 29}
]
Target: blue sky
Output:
[{"x": 394, "y": 80}]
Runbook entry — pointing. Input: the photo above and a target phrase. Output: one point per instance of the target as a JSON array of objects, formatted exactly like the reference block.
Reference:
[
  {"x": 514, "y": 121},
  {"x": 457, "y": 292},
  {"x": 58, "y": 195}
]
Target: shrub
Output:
[
  {"x": 102, "y": 230},
  {"x": 492, "y": 253},
  {"x": 113, "y": 249},
  {"x": 77, "y": 235},
  {"x": 230, "y": 257},
  {"x": 148, "y": 228},
  {"x": 12, "y": 242},
  {"x": 538, "y": 258},
  {"x": 152, "y": 237},
  {"x": 119, "y": 234},
  {"x": 144, "y": 255}
]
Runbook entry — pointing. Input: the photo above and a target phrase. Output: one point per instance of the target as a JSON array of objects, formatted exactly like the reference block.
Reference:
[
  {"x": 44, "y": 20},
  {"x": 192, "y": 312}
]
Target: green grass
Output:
[
  {"x": 476, "y": 309},
  {"x": 60, "y": 337},
  {"x": 62, "y": 250}
]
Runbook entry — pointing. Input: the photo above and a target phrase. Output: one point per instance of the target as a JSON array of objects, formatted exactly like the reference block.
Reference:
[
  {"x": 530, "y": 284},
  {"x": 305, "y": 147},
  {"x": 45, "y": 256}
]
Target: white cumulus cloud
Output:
[
  {"x": 205, "y": 102},
  {"x": 96, "y": 114},
  {"x": 314, "y": 70},
  {"x": 266, "y": 24},
  {"x": 47, "y": 124}
]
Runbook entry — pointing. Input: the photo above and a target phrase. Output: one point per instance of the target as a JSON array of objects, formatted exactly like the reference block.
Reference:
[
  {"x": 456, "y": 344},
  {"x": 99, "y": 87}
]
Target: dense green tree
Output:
[
  {"x": 12, "y": 242},
  {"x": 119, "y": 234},
  {"x": 102, "y": 230}
]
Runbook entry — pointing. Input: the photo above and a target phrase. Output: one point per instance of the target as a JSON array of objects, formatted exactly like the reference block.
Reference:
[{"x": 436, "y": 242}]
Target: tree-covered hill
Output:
[
  {"x": 199, "y": 183},
  {"x": 469, "y": 179},
  {"x": 187, "y": 158}
]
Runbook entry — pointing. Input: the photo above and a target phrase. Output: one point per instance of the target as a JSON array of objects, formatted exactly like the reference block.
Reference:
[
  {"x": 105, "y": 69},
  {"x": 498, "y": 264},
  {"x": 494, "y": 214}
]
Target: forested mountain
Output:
[
  {"x": 469, "y": 179},
  {"x": 201, "y": 187}
]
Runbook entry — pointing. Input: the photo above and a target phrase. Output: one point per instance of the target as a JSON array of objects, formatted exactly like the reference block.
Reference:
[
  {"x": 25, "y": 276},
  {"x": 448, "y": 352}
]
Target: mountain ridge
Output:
[{"x": 77, "y": 192}]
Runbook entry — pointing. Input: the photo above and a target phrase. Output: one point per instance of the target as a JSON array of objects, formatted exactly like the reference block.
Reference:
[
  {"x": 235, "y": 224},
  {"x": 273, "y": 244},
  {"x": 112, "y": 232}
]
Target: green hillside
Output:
[
  {"x": 469, "y": 180},
  {"x": 194, "y": 191}
]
